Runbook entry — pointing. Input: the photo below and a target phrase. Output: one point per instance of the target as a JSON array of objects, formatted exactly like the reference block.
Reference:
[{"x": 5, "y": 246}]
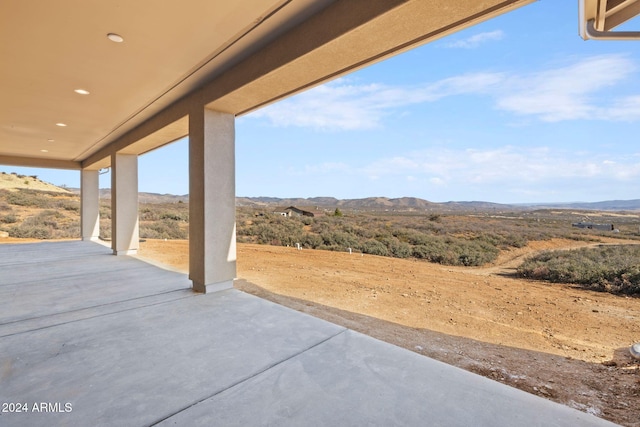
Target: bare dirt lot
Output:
[{"x": 557, "y": 341}]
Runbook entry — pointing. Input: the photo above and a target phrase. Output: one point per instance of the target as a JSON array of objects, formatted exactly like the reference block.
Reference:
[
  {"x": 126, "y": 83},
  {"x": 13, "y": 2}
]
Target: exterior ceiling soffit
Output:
[
  {"x": 281, "y": 51},
  {"x": 39, "y": 162},
  {"x": 164, "y": 128},
  {"x": 599, "y": 17},
  {"x": 235, "y": 100},
  {"x": 229, "y": 92},
  {"x": 157, "y": 104}
]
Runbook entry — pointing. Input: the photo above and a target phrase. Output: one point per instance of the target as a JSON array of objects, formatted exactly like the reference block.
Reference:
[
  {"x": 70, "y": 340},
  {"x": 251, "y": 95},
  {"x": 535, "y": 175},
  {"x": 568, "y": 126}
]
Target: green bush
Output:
[
  {"x": 423, "y": 237},
  {"x": 374, "y": 247},
  {"x": 175, "y": 216},
  {"x": 311, "y": 241},
  {"x": 163, "y": 229},
  {"x": 614, "y": 269}
]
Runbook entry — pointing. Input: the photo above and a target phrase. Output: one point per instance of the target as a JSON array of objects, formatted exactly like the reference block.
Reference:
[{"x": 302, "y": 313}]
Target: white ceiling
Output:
[
  {"x": 55, "y": 47},
  {"x": 230, "y": 55}
]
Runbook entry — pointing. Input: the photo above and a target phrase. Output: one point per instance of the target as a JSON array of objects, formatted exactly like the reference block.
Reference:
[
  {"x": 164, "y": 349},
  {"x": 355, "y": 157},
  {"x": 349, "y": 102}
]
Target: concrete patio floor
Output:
[{"x": 90, "y": 339}]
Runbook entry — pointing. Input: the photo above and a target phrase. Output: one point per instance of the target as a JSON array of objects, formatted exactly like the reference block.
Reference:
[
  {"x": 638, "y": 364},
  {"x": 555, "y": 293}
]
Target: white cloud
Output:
[
  {"x": 509, "y": 164},
  {"x": 511, "y": 173},
  {"x": 326, "y": 168},
  {"x": 476, "y": 40},
  {"x": 624, "y": 109},
  {"x": 342, "y": 106},
  {"x": 570, "y": 92}
]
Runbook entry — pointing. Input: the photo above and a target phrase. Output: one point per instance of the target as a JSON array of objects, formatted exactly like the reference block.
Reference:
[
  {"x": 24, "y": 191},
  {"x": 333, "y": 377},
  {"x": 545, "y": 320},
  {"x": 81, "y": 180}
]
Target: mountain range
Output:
[
  {"x": 414, "y": 203},
  {"x": 386, "y": 203}
]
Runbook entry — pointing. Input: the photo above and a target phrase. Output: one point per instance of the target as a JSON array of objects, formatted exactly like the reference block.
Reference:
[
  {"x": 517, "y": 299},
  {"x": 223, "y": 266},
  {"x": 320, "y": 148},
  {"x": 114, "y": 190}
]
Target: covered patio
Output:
[{"x": 87, "y": 338}]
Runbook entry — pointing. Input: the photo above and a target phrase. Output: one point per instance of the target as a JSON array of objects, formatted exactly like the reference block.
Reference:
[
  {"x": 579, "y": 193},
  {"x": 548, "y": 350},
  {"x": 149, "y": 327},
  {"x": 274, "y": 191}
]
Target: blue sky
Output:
[{"x": 517, "y": 109}]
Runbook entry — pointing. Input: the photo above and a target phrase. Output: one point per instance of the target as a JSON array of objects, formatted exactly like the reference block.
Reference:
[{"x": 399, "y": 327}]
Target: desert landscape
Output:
[
  {"x": 556, "y": 340},
  {"x": 559, "y": 342}
]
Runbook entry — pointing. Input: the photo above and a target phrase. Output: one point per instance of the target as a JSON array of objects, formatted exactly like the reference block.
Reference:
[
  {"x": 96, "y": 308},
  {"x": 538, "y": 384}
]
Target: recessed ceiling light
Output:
[
  {"x": 115, "y": 37},
  {"x": 81, "y": 91},
  {"x": 44, "y": 151},
  {"x": 61, "y": 124},
  {"x": 51, "y": 140}
]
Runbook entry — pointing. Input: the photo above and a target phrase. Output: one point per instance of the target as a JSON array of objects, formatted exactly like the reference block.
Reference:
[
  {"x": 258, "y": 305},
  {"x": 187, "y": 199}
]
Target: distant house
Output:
[
  {"x": 293, "y": 211},
  {"x": 593, "y": 226}
]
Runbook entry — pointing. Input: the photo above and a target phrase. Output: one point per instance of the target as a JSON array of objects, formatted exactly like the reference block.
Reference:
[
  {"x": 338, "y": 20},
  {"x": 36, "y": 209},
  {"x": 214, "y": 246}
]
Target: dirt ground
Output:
[{"x": 557, "y": 341}]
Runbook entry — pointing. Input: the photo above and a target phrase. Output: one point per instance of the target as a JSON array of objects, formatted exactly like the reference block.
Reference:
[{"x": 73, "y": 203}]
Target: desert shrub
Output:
[
  {"x": 374, "y": 247},
  {"x": 614, "y": 269},
  {"x": 400, "y": 237},
  {"x": 50, "y": 213},
  {"x": 267, "y": 233},
  {"x": 339, "y": 239},
  {"x": 31, "y": 232},
  {"x": 68, "y": 205},
  {"x": 421, "y": 252},
  {"x": 146, "y": 214},
  {"x": 105, "y": 212},
  {"x": 475, "y": 252},
  {"x": 175, "y": 216},
  {"x": 28, "y": 198},
  {"x": 516, "y": 241},
  {"x": 276, "y": 230},
  {"x": 396, "y": 248},
  {"x": 163, "y": 229},
  {"x": 451, "y": 239},
  {"x": 320, "y": 227},
  {"x": 312, "y": 241},
  {"x": 9, "y": 219},
  {"x": 105, "y": 229},
  {"x": 418, "y": 238},
  {"x": 48, "y": 224}
]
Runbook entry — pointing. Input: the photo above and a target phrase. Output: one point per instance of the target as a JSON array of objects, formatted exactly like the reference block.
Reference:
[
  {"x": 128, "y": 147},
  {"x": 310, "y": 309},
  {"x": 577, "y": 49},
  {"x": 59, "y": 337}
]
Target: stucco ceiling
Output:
[{"x": 233, "y": 56}]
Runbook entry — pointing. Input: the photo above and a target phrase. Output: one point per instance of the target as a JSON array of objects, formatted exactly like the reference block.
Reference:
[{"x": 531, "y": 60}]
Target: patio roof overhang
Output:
[
  {"x": 233, "y": 57},
  {"x": 599, "y": 18}
]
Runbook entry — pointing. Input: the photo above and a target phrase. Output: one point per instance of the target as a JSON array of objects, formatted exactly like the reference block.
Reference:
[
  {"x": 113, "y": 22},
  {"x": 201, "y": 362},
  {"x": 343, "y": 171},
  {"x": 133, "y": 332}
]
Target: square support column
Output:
[
  {"x": 125, "y": 238},
  {"x": 90, "y": 204},
  {"x": 212, "y": 200}
]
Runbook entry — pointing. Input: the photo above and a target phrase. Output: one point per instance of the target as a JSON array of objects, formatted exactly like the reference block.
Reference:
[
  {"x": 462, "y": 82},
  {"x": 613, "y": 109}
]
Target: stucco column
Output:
[
  {"x": 212, "y": 208},
  {"x": 124, "y": 204},
  {"x": 90, "y": 204}
]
